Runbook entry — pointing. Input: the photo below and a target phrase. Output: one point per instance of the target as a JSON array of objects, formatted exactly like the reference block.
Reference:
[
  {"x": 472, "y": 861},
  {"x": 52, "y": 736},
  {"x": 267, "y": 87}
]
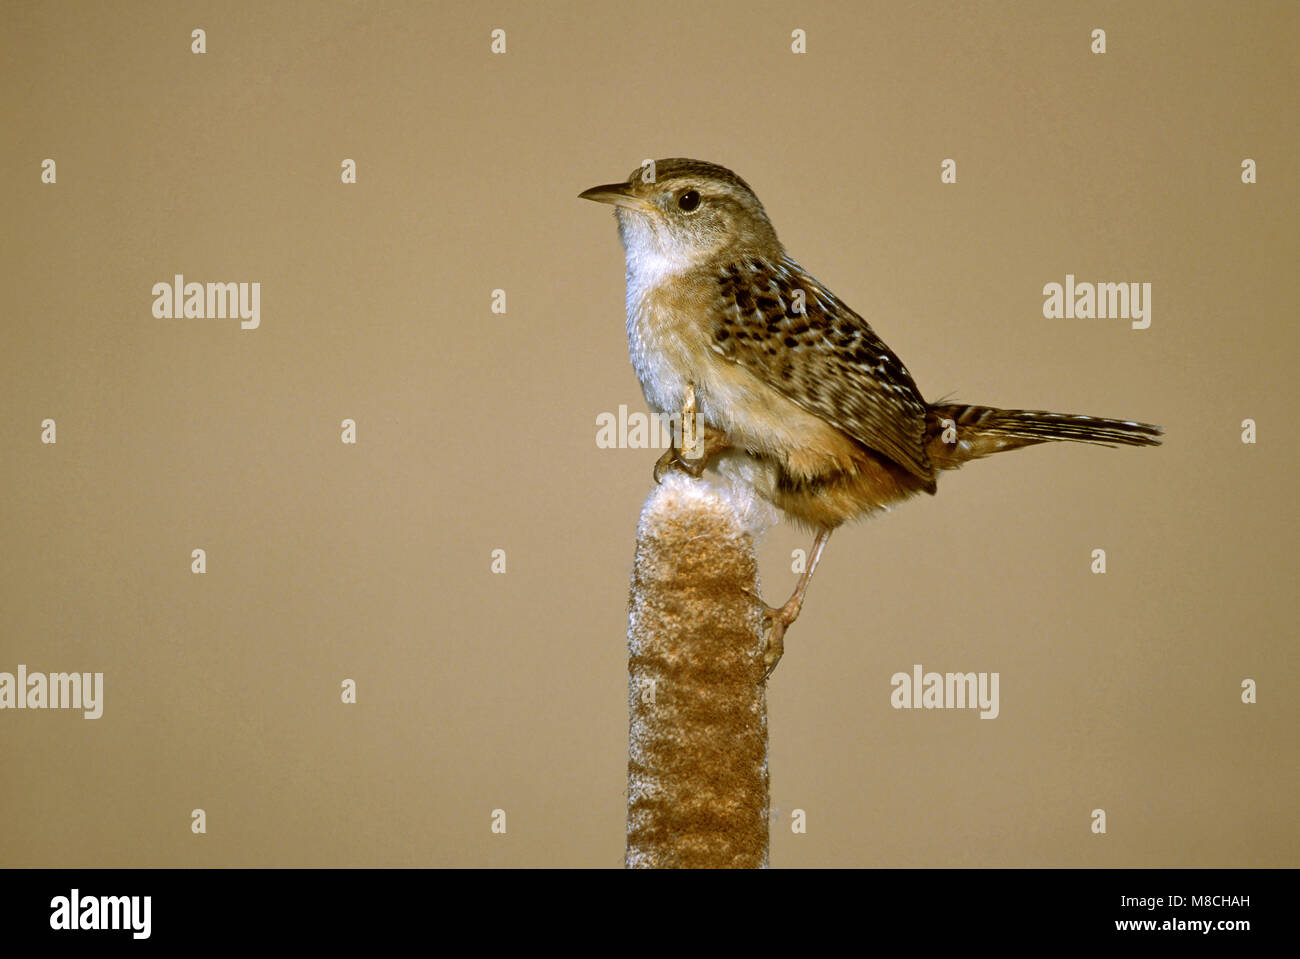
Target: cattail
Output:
[{"x": 697, "y": 755}]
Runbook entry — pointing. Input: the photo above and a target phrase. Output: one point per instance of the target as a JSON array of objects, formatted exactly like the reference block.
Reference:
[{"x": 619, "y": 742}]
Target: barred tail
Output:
[{"x": 959, "y": 433}]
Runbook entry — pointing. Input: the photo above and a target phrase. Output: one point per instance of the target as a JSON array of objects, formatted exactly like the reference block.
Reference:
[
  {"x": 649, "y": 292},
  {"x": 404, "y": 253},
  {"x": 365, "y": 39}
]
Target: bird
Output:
[{"x": 790, "y": 390}]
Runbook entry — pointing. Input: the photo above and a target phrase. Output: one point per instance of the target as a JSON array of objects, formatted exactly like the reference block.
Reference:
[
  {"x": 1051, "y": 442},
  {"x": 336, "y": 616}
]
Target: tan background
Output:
[{"x": 477, "y": 431}]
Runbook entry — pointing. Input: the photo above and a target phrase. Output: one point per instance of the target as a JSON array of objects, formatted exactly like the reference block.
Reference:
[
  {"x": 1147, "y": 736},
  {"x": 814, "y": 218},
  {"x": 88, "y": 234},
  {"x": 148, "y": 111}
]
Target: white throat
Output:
[{"x": 652, "y": 257}]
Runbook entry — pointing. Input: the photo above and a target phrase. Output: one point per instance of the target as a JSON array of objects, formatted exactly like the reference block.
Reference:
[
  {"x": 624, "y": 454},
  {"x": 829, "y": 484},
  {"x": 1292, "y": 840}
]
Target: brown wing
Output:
[{"x": 825, "y": 357}]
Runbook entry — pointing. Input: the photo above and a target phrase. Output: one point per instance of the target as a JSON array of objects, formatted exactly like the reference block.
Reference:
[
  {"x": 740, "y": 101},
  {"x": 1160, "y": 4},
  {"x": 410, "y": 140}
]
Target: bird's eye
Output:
[{"x": 688, "y": 201}]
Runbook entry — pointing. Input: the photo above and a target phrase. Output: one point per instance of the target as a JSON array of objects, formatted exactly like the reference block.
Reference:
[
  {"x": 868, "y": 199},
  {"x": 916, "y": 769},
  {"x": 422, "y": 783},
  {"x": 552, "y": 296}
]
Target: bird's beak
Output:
[{"x": 619, "y": 194}]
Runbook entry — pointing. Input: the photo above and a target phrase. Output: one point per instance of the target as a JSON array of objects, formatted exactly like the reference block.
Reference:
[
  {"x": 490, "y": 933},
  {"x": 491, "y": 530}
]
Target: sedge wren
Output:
[{"x": 795, "y": 394}]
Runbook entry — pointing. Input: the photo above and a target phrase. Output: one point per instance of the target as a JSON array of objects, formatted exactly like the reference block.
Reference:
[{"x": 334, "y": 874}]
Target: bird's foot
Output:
[
  {"x": 776, "y": 620},
  {"x": 674, "y": 460},
  {"x": 693, "y": 461}
]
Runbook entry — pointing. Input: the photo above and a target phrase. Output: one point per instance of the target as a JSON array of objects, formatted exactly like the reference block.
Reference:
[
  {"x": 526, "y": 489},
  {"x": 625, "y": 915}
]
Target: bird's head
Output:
[{"x": 677, "y": 214}]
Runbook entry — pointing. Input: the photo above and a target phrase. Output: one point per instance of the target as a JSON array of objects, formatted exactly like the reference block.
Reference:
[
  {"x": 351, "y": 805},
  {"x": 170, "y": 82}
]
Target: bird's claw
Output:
[
  {"x": 774, "y": 648},
  {"x": 776, "y": 620},
  {"x": 664, "y": 464},
  {"x": 674, "y": 460}
]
